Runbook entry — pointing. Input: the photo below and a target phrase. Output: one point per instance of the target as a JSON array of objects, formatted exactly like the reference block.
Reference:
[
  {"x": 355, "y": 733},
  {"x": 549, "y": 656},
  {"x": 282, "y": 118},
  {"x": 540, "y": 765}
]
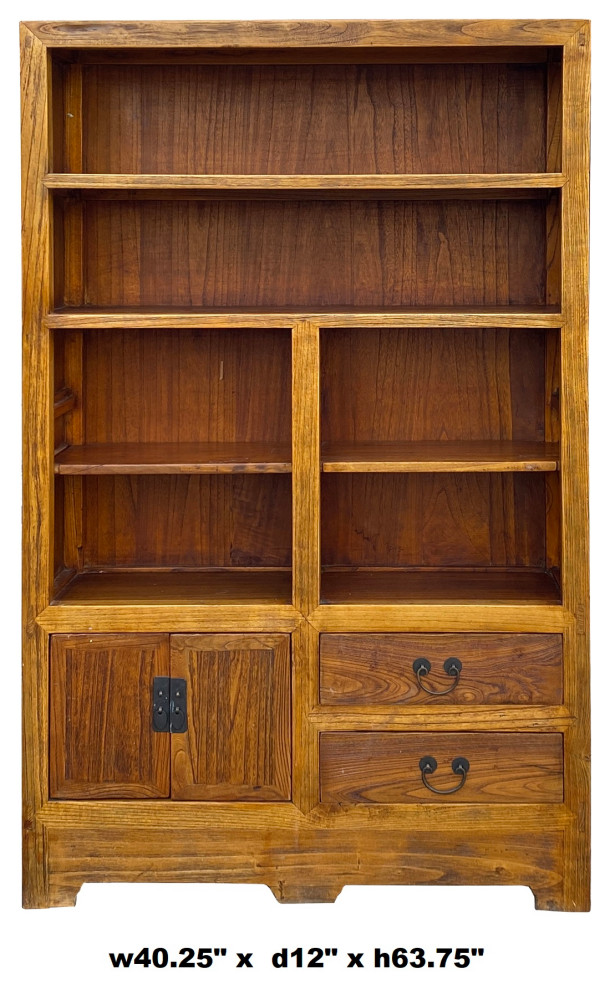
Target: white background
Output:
[{"x": 69, "y": 946}]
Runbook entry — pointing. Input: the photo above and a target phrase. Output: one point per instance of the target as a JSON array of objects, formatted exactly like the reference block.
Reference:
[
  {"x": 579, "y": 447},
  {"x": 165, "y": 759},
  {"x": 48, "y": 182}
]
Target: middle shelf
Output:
[
  {"x": 175, "y": 458},
  {"x": 267, "y": 458}
]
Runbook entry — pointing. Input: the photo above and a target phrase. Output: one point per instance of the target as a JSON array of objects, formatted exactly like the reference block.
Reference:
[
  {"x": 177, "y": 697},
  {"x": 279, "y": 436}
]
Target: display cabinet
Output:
[{"x": 306, "y": 587}]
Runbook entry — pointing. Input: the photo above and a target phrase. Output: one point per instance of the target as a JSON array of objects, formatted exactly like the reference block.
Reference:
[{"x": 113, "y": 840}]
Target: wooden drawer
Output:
[
  {"x": 496, "y": 669},
  {"x": 384, "y": 767}
]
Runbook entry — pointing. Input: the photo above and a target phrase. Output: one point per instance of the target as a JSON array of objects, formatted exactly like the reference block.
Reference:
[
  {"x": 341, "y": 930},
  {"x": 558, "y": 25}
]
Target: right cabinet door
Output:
[{"x": 237, "y": 743}]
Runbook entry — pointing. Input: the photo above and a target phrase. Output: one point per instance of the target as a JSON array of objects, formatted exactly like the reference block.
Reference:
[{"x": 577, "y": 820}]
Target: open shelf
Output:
[
  {"x": 179, "y": 396},
  {"x": 455, "y": 586},
  {"x": 472, "y": 455},
  {"x": 174, "y": 455},
  {"x": 373, "y": 253},
  {"x": 143, "y": 526},
  {"x": 421, "y": 394},
  {"x": 201, "y": 587},
  {"x": 440, "y": 460},
  {"x": 502, "y": 527},
  {"x": 174, "y": 458},
  {"x": 444, "y": 115}
]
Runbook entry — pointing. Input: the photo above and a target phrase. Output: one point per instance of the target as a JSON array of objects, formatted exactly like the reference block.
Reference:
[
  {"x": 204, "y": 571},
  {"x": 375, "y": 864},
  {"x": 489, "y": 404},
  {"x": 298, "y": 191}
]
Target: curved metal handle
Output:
[
  {"x": 451, "y": 666},
  {"x": 459, "y": 765}
]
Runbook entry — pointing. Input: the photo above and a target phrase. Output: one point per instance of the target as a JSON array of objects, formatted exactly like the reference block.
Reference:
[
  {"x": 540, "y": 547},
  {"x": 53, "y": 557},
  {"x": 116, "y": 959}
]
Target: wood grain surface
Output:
[
  {"x": 319, "y": 185},
  {"x": 186, "y": 386},
  {"x": 175, "y": 458},
  {"x": 455, "y": 613},
  {"x": 508, "y": 856},
  {"x": 497, "y": 669},
  {"x": 574, "y": 438},
  {"x": 163, "y": 587},
  {"x": 388, "y": 385},
  {"x": 314, "y": 118},
  {"x": 433, "y": 456},
  {"x": 38, "y": 389},
  {"x": 208, "y": 521},
  {"x": 450, "y": 585},
  {"x": 324, "y": 34},
  {"x": 198, "y": 317},
  {"x": 102, "y": 744},
  {"x": 383, "y": 767},
  {"x": 433, "y": 520},
  {"x": 354, "y": 253},
  {"x": 306, "y": 464},
  {"x": 237, "y": 745}
]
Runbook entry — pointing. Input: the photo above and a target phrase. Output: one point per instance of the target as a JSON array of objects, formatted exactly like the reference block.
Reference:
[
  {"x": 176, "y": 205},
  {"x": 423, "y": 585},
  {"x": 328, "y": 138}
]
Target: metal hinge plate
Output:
[{"x": 169, "y": 704}]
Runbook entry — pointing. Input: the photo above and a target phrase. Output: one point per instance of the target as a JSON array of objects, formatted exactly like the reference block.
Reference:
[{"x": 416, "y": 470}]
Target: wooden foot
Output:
[
  {"x": 60, "y": 896},
  {"x": 554, "y": 899},
  {"x": 287, "y": 892}
]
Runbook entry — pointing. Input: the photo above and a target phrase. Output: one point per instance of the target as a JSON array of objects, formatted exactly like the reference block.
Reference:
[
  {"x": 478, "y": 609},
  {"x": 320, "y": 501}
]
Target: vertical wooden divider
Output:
[
  {"x": 575, "y": 237},
  {"x": 305, "y": 554},
  {"x": 306, "y": 466},
  {"x": 37, "y": 456}
]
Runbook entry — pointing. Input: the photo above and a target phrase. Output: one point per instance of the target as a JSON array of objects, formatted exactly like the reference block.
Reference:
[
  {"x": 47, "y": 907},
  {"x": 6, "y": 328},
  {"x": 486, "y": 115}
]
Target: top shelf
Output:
[{"x": 406, "y": 184}]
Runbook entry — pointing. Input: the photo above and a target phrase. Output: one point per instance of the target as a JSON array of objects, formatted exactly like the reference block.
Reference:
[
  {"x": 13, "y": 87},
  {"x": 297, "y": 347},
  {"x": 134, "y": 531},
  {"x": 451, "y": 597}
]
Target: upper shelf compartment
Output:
[{"x": 329, "y": 112}]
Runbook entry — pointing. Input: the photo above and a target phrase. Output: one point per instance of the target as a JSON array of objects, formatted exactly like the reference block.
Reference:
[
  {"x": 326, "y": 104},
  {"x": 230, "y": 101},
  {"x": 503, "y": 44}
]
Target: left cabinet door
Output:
[{"x": 102, "y": 744}]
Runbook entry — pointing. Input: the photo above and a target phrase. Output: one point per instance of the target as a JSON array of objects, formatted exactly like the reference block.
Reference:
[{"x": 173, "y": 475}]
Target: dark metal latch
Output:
[{"x": 169, "y": 704}]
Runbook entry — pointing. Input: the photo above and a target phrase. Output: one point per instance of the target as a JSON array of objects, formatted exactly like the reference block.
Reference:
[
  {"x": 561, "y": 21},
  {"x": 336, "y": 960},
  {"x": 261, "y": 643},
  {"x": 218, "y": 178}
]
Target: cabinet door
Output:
[
  {"x": 237, "y": 743},
  {"x": 102, "y": 742}
]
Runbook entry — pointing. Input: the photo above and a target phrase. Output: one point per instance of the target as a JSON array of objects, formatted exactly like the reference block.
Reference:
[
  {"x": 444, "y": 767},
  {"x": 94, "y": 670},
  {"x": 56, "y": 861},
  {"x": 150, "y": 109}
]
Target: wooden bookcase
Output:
[{"x": 305, "y": 311}]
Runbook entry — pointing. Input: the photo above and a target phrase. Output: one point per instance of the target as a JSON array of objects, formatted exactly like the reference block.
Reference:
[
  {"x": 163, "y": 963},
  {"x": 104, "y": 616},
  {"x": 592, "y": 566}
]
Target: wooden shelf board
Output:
[
  {"x": 175, "y": 458},
  {"x": 122, "y": 317},
  {"x": 186, "y": 588},
  {"x": 324, "y": 183},
  {"x": 472, "y": 455},
  {"x": 454, "y": 586}
]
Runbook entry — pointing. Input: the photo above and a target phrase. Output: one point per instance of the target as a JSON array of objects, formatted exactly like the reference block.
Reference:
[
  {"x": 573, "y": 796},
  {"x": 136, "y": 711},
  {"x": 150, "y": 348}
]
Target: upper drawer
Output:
[{"x": 492, "y": 669}]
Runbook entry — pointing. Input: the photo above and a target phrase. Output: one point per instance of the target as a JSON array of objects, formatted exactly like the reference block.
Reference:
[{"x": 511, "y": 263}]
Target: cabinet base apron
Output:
[{"x": 287, "y": 860}]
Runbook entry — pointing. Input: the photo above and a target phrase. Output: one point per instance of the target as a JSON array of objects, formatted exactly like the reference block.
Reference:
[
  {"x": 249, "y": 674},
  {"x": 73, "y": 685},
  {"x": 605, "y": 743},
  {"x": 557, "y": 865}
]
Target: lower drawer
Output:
[{"x": 399, "y": 767}]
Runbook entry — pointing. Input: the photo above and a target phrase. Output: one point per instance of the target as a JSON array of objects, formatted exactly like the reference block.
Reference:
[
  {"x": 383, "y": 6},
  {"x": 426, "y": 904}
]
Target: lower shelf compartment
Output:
[
  {"x": 497, "y": 586},
  {"x": 200, "y": 587}
]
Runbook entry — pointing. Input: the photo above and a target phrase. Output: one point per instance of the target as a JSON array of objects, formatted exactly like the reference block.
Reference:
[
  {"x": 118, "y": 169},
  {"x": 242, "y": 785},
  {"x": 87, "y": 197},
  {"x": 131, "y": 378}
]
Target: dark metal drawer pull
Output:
[
  {"x": 459, "y": 765},
  {"x": 451, "y": 666}
]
